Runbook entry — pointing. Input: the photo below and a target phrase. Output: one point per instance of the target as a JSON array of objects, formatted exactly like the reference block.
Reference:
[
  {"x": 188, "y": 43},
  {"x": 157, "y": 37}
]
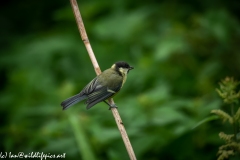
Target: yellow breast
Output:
[{"x": 124, "y": 72}]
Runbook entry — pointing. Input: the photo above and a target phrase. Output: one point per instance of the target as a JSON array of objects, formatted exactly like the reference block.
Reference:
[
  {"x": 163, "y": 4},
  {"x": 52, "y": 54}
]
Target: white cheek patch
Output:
[{"x": 123, "y": 70}]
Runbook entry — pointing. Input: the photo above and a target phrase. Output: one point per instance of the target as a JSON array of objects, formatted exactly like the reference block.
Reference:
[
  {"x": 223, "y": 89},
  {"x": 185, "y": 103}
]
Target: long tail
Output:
[{"x": 72, "y": 100}]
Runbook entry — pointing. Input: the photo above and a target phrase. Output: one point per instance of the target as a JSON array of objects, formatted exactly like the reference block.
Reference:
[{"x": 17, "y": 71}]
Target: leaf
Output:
[
  {"x": 205, "y": 120},
  {"x": 225, "y": 116}
]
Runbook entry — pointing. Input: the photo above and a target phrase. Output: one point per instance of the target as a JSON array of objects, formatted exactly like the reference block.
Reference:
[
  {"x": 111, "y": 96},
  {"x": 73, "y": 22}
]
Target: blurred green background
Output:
[{"x": 180, "y": 51}]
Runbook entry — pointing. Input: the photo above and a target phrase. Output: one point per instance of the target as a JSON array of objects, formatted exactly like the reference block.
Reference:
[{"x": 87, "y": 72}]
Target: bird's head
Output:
[{"x": 122, "y": 67}]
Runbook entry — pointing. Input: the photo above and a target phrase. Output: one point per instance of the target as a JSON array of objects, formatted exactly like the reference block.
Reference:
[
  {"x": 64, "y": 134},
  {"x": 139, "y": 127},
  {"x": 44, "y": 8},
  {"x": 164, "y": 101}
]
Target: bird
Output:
[{"x": 102, "y": 87}]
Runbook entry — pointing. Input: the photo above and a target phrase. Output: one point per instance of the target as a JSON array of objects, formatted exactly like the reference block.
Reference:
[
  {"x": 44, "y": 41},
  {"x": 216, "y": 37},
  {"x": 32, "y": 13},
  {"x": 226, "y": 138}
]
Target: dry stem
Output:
[{"x": 116, "y": 115}]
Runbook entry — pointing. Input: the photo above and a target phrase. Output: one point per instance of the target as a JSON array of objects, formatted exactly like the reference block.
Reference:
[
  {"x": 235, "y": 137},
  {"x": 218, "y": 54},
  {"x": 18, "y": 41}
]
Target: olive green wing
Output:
[
  {"x": 90, "y": 87},
  {"x": 101, "y": 94}
]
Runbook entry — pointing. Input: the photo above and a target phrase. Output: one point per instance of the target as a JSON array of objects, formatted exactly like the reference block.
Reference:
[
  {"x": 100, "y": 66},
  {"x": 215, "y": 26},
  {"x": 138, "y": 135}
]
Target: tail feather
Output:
[{"x": 72, "y": 100}]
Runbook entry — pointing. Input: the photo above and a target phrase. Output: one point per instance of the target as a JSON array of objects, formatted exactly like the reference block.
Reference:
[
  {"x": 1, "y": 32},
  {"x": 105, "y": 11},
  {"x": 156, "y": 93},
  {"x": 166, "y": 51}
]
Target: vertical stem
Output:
[
  {"x": 123, "y": 132},
  {"x": 234, "y": 123},
  {"x": 98, "y": 71},
  {"x": 83, "y": 145},
  {"x": 235, "y": 128},
  {"x": 84, "y": 36}
]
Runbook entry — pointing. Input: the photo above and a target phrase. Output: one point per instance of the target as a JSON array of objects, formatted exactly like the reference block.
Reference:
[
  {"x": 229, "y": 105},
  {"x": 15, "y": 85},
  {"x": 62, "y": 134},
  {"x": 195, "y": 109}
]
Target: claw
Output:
[{"x": 112, "y": 106}]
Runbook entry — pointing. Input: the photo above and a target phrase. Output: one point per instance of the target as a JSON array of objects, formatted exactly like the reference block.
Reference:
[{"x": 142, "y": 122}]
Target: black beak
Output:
[{"x": 130, "y": 68}]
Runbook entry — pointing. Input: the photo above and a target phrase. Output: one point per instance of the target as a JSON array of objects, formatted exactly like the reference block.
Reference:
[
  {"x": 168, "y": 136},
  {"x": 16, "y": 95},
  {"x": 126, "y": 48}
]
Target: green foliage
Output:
[
  {"x": 225, "y": 116},
  {"x": 179, "y": 50},
  {"x": 229, "y": 95},
  {"x": 227, "y": 90},
  {"x": 237, "y": 116}
]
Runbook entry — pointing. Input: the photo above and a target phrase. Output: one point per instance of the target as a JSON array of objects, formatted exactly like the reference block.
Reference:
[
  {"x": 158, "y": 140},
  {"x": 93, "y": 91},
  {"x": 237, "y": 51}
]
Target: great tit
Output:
[{"x": 102, "y": 87}]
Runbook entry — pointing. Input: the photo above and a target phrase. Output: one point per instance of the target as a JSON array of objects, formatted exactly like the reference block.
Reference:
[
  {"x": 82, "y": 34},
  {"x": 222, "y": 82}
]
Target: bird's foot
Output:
[{"x": 112, "y": 106}]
